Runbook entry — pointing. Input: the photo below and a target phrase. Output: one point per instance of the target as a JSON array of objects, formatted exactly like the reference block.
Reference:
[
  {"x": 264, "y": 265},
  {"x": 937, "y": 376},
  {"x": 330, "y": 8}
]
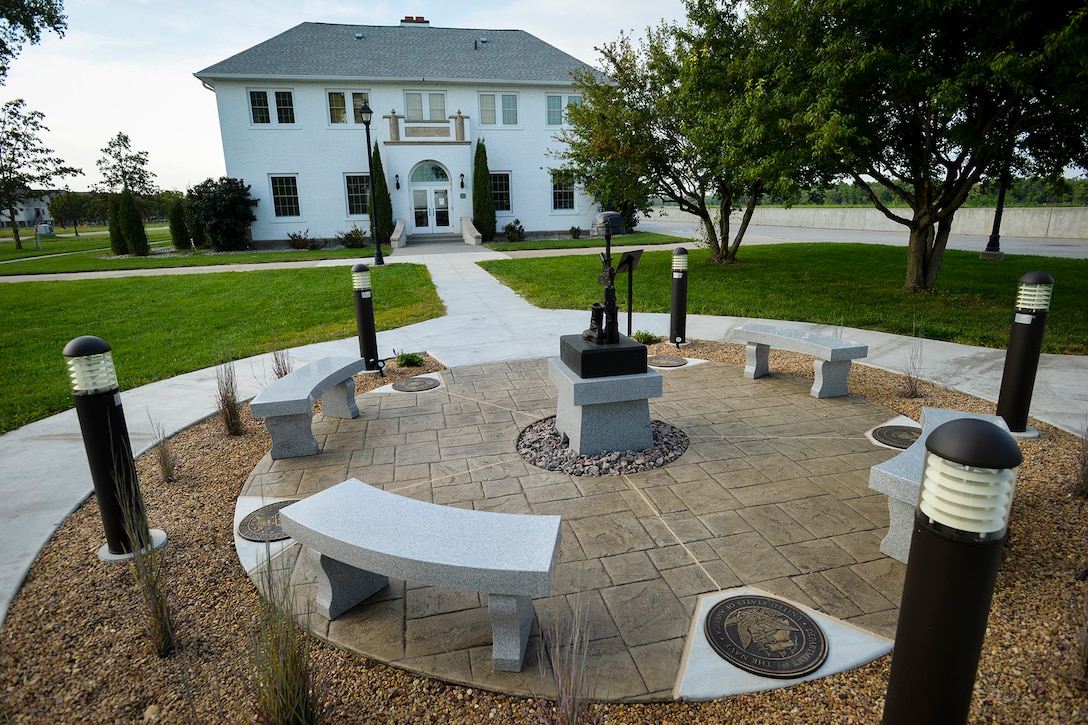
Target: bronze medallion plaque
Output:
[
  {"x": 765, "y": 636},
  {"x": 415, "y": 385},
  {"x": 264, "y": 523},
  {"x": 897, "y": 436},
  {"x": 666, "y": 361}
]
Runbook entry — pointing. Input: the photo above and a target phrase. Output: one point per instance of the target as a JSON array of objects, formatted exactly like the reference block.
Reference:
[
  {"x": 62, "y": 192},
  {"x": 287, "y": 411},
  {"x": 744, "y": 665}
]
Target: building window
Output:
[
  {"x": 562, "y": 192},
  {"x": 285, "y": 107},
  {"x": 499, "y": 108},
  {"x": 487, "y": 109},
  {"x": 358, "y": 194},
  {"x": 414, "y": 106},
  {"x": 509, "y": 109},
  {"x": 261, "y": 112},
  {"x": 285, "y": 196},
  {"x": 557, "y": 111},
  {"x": 338, "y": 106},
  {"x": 500, "y": 191},
  {"x": 258, "y": 106},
  {"x": 358, "y": 100}
]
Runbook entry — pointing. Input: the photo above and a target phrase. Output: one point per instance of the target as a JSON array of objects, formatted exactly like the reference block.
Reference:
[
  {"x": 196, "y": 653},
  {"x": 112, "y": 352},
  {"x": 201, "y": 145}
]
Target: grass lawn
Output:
[
  {"x": 854, "y": 285},
  {"x": 638, "y": 238},
  {"x": 164, "y": 326},
  {"x": 93, "y": 255}
]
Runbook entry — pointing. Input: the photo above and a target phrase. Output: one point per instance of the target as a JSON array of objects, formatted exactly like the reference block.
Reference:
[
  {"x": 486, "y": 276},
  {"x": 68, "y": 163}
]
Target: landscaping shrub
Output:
[
  {"x": 224, "y": 210},
  {"x": 409, "y": 360},
  {"x": 646, "y": 338},
  {"x": 576, "y": 232},
  {"x": 354, "y": 238},
  {"x": 514, "y": 231},
  {"x": 299, "y": 240}
]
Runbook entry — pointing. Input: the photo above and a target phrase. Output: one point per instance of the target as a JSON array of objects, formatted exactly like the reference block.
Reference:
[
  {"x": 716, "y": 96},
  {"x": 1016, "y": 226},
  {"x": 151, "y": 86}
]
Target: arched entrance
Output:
[{"x": 429, "y": 186}]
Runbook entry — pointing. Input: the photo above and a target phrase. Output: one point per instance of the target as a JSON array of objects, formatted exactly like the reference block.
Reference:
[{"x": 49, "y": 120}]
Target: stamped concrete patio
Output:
[{"x": 772, "y": 494}]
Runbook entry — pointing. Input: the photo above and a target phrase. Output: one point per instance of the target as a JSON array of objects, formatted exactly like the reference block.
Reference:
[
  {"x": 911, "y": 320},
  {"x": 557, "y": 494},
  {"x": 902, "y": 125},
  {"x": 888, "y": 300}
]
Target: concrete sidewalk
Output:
[{"x": 46, "y": 467}]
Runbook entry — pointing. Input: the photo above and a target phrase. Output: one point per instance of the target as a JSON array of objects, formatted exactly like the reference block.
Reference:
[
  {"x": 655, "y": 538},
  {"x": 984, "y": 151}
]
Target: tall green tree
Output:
[
  {"x": 22, "y": 21},
  {"x": 222, "y": 210},
  {"x": 926, "y": 98},
  {"x": 381, "y": 216},
  {"x": 123, "y": 168},
  {"x": 26, "y": 165},
  {"x": 673, "y": 118},
  {"x": 483, "y": 197}
]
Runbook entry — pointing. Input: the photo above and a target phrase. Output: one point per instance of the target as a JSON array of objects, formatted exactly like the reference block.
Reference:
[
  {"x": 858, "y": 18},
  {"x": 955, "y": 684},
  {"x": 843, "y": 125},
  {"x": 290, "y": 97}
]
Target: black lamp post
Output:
[
  {"x": 366, "y": 114},
  {"x": 71, "y": 212}
]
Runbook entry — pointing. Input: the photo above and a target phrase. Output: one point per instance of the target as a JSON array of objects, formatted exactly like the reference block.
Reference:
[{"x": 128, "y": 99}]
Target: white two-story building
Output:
[{"x": 292, "y": 130}]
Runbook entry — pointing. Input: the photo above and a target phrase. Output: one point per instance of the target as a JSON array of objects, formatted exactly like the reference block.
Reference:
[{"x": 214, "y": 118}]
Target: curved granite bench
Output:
[
  {"x": 833, "y": 354},
  {"x": 900, "y": 479},
  {"x": 362, "y": 535},
  {"x": 287, "y": 403}
]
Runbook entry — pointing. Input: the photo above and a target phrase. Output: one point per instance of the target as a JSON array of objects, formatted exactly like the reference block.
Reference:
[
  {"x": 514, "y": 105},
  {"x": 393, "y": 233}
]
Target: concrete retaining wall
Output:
[{"x": 1044, "y": 222}]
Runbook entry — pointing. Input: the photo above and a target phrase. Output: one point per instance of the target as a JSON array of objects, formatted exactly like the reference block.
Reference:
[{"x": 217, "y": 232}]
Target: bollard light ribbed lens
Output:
[
  {"x": 679, "y": 262},
  {"x": 92, "y": 374},
  {"x": 360, "y": 280},
  {"x": 1034, "y": 297},
  {"x": 965, "y": 498}
]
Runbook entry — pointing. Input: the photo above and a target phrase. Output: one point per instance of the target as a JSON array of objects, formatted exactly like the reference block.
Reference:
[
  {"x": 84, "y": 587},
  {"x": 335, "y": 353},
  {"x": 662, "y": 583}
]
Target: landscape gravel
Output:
[
  {"x": 73, "y": 648},
  {"x": 541, "y": 445}
]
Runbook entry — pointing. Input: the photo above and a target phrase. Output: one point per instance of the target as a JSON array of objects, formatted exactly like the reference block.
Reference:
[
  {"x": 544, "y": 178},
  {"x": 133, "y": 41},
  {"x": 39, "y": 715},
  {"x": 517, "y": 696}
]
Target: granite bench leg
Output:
[
  {"x": 291, "y": 435},
  {"x": 830, "y": 378},
  {"x": 341, "y": 586},
  {"x": 339, "y": 401},
  {"x": 511, "y": 620},
  {"x": 896, "y": 543},
  {"x": 755, "y": 365}
]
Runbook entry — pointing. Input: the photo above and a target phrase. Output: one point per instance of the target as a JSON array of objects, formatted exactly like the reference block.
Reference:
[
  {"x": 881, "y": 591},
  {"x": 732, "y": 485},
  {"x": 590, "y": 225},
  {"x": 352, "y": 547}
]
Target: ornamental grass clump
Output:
[
  {"x": 286, "y": 689},
  {"x": 149, "y": 570},
  {"x": 568, "y": 652},
  {"x": 226, "y": 399},
  {"x": 164, "y": 457}
]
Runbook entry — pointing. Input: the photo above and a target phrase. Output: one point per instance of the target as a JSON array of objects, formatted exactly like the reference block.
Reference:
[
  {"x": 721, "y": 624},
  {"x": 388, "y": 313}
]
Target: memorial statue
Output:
[{"x": 604, "y": 326}]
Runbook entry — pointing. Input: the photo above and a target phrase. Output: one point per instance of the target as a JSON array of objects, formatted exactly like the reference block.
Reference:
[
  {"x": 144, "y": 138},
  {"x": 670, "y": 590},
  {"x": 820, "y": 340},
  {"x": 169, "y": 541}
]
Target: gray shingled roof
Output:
[{"x": 323, "y": 50}]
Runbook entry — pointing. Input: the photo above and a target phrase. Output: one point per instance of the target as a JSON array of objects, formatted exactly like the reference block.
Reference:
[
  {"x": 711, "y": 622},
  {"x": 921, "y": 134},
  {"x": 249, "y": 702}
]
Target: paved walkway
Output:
[{"x": 46, "y": 473}]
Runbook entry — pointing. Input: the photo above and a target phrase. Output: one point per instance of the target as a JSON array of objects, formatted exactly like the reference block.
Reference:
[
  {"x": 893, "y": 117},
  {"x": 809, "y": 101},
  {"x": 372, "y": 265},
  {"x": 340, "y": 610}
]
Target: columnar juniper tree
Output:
[
  {"x": 381, "y": 216},
  {"x": 483, "y": 198}
]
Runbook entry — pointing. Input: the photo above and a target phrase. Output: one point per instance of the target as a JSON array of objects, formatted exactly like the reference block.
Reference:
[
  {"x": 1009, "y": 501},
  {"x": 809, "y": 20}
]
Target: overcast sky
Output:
[{"x": 127, "y": 65}]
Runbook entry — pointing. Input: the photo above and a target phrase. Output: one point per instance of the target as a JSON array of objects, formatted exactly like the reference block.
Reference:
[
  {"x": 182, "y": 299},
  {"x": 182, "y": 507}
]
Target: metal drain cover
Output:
[
  {"x": 264, "y": 523},
  {"x": 665, "y": 361},
  {"x": 767, "y": 637},
  {"x": 897, "y": 436},
  {"x": 415, "y": 385}
]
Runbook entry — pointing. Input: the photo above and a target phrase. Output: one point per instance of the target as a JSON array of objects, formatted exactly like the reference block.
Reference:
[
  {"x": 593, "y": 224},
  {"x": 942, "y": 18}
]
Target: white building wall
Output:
[{"x": 320, "y": 155}]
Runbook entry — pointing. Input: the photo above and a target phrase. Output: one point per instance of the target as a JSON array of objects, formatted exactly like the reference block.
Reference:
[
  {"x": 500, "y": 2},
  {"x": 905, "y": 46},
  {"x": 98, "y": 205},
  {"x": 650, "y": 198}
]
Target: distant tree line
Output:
[{"x": 1026, "y": 191}]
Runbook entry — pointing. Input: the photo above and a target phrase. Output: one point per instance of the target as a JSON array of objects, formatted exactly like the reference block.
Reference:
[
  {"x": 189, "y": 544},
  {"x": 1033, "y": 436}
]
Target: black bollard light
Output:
[
  {"x": 678, "y": 318},
  {"x": 364, "y": 316},
  {"x": 1022, "y": 354},
  {"x": 97, "y": 400},
  {"x": 960, "y": 527}
]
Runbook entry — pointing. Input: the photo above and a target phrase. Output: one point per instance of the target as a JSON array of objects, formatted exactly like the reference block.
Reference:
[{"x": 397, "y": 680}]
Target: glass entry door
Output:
[{"x": 430, "y": 210}]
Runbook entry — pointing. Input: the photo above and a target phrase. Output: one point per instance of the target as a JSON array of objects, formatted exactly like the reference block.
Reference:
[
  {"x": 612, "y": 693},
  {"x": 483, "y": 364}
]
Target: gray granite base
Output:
[
  {"x": 604, "y": 414},
  {"x": 900, "y": 479}
]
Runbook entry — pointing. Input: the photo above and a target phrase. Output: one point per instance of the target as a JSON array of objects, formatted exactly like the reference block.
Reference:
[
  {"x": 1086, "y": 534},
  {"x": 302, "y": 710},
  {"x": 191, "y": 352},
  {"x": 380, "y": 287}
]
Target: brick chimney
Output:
[{"x": 418, "y": 21}]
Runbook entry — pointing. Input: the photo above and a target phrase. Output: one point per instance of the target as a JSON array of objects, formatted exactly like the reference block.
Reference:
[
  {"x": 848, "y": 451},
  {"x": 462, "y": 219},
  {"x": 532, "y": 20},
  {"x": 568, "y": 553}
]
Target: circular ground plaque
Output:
[
  {"x": 264, "y": 523},
  {"x": 415, "y": 385},
  {"x": 665, "y": 361},
  {"x": 897, "y": 436},
  {"x": 766, "y": 636}
]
